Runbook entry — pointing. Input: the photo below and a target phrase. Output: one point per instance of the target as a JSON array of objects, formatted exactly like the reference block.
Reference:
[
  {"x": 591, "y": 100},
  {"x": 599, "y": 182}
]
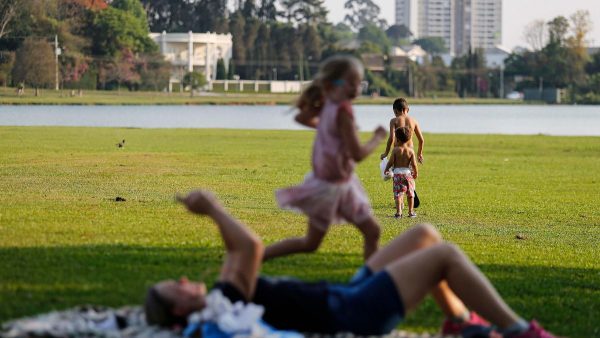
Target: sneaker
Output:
[
  {"x": 535, "y": 331},
  {"x": 412, "y": 214},
  {"x": 455, "y": 328},
  {"x": 398, "y": 216}
]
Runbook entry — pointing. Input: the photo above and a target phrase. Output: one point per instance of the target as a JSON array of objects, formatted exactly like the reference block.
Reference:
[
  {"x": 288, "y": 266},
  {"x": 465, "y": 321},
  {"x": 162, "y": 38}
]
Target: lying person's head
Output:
[
  {"x": 403, "y": 135},
  {"x": 168, "y": 303}
]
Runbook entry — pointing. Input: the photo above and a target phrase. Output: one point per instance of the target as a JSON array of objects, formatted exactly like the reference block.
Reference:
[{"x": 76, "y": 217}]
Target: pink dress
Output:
[{"x": 331, "y": 193}]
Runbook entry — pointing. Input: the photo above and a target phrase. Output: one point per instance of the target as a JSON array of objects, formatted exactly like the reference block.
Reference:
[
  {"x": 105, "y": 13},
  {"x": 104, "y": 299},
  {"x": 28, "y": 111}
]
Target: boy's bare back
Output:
[
  {"x": 404, "y": 121},
  {"x": 402, "y": 156}
]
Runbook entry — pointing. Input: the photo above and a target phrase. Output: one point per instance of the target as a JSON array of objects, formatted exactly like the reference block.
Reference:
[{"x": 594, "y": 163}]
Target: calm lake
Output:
[{"x": 469, "y": 119}]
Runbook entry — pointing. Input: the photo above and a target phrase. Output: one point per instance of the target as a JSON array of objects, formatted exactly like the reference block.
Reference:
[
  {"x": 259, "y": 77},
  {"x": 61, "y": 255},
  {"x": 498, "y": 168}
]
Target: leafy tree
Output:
[
  {"x": 267, "y": 12},
  {"x": 170, "y": 16},
  {"x": 9, "y": 10},
  {"x": 194, "y": 80},
  {"x": 154, "y": 71},
  {"x": 535, "y": 34},
  {"x": 376, "y": 36},
  {"x": 432, "y": 45},
  {"x": 209, "y": 16},
  {"x": 363, "y": 13},
  {"x": 221, "y": 71},
  {"x": 123, "y": 27},
  {"x": 558, "y": 29},
  {"x": 34, "y": 64},
  {"x": 398, "y": 34},
  {"x": 237, "y": 25},
  {"x": 7, "y": 60},
  {"x": 231, "y": 70},
  {"x": 123, "y": 70}
]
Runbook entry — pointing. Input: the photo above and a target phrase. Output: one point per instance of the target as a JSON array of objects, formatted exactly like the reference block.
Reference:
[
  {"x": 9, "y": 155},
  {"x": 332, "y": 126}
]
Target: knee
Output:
[
  {"x": 450, "y": 252},
  {"x": 428, "y": 233},
  {"x": 310, "y": 244}
]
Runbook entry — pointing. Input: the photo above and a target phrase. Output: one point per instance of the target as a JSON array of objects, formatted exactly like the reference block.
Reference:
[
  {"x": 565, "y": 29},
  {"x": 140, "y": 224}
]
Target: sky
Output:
[{"x": 516, "y": 15}]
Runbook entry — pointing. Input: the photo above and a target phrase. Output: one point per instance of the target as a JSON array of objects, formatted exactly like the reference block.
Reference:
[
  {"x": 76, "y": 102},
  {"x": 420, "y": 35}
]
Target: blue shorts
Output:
[{"x": 369, "y": 305}]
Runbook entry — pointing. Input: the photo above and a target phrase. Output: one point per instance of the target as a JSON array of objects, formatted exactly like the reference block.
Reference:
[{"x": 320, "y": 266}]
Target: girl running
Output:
[{"x": 331, "y": 192}]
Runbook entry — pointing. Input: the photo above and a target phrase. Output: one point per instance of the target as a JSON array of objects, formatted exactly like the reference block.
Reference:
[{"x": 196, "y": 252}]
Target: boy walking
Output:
[
  {"x": 404, "y": 164},
  {"x": 403, "y": 120}
]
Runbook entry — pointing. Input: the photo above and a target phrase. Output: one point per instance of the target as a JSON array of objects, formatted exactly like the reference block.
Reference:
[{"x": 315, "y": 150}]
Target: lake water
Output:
[{"x": 469, "y": 119}]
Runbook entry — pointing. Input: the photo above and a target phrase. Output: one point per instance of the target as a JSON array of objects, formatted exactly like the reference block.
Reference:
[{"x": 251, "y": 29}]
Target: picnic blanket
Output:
[{"x": 104, "y": 322}]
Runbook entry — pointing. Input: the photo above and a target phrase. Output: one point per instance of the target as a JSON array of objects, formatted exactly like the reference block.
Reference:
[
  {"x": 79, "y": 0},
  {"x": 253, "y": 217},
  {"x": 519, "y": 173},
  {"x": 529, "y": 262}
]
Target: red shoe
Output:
[
  {"x": 450, "y": 328},
  {"x": 535, "y": 331}
]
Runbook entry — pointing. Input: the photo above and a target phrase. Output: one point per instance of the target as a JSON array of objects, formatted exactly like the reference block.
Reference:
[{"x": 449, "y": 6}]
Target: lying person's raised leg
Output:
[
  {"x": 417, "y": 273},
  {"x": 244, "y": 248},
  {"x": 416, "y": 238}
]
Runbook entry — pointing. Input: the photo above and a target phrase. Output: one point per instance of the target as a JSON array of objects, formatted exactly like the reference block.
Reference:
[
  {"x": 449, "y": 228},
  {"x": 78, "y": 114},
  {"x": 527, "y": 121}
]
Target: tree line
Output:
[{"x": 105, "y": 45}]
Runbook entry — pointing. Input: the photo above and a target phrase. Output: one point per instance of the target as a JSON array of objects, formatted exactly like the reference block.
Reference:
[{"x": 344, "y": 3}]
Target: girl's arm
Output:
[
  {"x": 308, "y": 118},
  {"x": 413, "y": 162},
  {"x": 389, "y": 141},
  {"x": 349, "y": 135}
]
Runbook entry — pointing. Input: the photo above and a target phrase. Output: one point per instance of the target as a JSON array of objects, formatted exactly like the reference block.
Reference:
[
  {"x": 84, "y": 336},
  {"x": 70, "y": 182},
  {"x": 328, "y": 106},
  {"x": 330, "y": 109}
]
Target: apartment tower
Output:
[{"x": 463, "y": 24}]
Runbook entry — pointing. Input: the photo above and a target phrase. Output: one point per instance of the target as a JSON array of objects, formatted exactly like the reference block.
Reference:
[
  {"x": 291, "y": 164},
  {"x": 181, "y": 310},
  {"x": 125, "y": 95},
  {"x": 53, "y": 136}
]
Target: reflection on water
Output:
[{"x": 471, "y": 119}]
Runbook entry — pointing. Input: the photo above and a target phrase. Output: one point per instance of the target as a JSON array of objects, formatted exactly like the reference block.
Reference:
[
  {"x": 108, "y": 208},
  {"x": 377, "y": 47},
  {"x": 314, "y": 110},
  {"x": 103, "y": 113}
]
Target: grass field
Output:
[
  {"x": 65, "y": 241},
  {"x": 64, "y": 97}
]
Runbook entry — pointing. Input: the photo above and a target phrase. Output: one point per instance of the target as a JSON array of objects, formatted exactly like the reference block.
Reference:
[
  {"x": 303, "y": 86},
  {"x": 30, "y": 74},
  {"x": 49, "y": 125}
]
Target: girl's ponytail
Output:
[
  {"x": 334, "y": 68},
  {"x": 312, "y": 98}
]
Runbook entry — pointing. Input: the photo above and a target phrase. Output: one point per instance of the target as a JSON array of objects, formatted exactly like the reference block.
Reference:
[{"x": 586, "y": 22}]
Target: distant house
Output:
[
  {"x": 416, "y": 53},
  {"x": 373, "y": 62},
  {"x": 190, "y": 51},
  {"x": 495, "y": 57}
]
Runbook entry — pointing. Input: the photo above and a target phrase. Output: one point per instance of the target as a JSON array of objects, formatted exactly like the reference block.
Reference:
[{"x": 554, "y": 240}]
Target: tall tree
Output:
[
  {"x": 34, "y": 64},
  {"x": 122, "y": 26},
  {"x": 398, "y": 33},
  {"x": 535, "y": 34},
  {"x": 170, "y": 16},
  {"x": 267, "y": 12},
  {"x": 9, "y": 10},
  {"x": 558, "y": 29},
  {"x": 373, "y": 34},
  {"x": 362, "y": 13},
  {"x": 432, "y": 45}
]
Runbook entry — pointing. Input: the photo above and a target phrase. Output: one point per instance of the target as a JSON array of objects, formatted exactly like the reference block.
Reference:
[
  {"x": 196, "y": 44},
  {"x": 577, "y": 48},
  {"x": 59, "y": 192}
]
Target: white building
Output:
[
  {"x": 463, "y": 24},
  {"x": 189, "y": 52},
  {"x": 480, "y": 25}
]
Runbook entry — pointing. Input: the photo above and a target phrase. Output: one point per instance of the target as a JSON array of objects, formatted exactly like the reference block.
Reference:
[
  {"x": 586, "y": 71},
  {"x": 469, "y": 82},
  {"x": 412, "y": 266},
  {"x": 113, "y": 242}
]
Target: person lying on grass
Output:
[{"x": 392, "y": 282}]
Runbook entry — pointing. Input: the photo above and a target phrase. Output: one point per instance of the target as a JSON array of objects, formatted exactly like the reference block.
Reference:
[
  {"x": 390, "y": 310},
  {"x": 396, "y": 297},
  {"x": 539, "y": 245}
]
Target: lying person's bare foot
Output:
[{"x": 200, "y": 202}]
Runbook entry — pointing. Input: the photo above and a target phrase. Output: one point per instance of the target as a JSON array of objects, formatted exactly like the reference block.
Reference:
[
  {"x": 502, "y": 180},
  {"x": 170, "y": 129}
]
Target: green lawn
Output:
[
  {"x": 124, "y": 97},
  {"x": 65, "y": 241}
]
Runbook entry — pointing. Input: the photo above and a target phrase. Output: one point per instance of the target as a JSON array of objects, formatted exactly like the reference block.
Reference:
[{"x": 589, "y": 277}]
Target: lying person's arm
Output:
[{"x": 244, "y": 248}]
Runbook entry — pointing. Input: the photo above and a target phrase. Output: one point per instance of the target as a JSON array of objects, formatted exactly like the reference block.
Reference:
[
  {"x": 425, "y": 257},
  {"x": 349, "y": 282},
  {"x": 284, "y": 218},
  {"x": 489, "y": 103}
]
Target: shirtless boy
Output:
[
  {"x": 403, "y": 164},
  {"x": 401, "y": 120}
]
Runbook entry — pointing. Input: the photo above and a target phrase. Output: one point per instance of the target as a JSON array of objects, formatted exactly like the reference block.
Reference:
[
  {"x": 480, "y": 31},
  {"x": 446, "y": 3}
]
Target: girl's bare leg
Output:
[
  {"x": 371, "y": 232},
  {"x": 411, "y": 204},
  {"x": 309, "y": 243},
  {"x": 417, "y": 273},
  {"x": 397, "y": 200}
]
